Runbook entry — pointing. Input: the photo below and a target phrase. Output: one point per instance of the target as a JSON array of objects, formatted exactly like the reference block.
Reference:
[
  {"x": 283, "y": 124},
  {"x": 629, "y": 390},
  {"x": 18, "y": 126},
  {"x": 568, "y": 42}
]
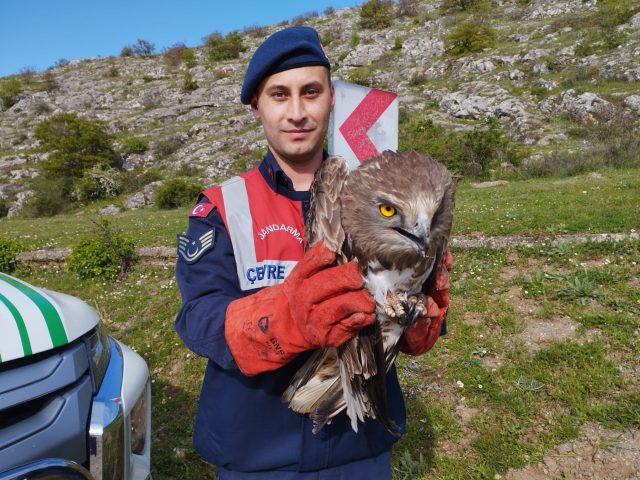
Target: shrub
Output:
[
  {"x": 40, "y": 107},
  {"x": 584, "y": 49},
  {"x": 463, "y": 5},
  {"x": 50, "y": 197},
  {"x": 397, "y": 43},
  {"x": 188, "y": 83},
  {"x": 471, "y": 153},
  {"x": 113, "y": 71},
  {"x": 362, "y": 76},
  {"x": 97, "y": 183},
  {"x": 9, "y": 250},
  {"x": 135, "y": 180},
  {"x": 256, "y": 31},
  {"x": 407, "y": 8},
  {"x": 27, "y": 75},
  {"x": 220, "y": 48},
  {"x": 106, "y": 254},
  {"x": 167, "y": 146},
  {"x": 376, "y": 14},
  {"x": 176, "y": 193},
  {"x": 329, "y": 10},
  {"x": 482, "y": 149},
  {"x": 173, "y": 56},
  {"x": 219, "y": 74},
  {"x": 613, "y": 38},
  {"x": 304, "y": 18},
  {"x": 49, "y": 82},
  {"x": 10, "y": 88},
  {"x": 76, "y": 144},
  {"x": 189, "y": 57},
  {"x": 126, "y": 51},
  {"x": 4, "y": 207},
  {"x": 354, "y": 41},
  {"x": 61, "y": 62},
  {"x": 611, "y": 13},
  {"x": 330, "y": 34},
  {"x": 616, "y": 143},
  {"x": 136, "y": 145},
  {"x": 470, "y": 36}
]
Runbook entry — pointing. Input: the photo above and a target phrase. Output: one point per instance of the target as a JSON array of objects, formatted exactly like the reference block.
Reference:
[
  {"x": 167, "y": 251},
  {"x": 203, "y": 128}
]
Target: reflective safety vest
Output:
[{"x": 265, "y": 228}]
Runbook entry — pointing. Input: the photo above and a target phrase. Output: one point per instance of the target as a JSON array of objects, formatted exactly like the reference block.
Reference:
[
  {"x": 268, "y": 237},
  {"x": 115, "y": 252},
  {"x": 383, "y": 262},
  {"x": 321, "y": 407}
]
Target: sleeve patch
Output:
[
  {"x": 201, "y": 210},
  {"x": 190, "y": 250}
]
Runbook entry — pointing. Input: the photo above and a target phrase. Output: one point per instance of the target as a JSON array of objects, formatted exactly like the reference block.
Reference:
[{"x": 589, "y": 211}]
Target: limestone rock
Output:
[
  {"x": 142, "y": 199},
  {"x": 109, "y": 210},
  {"x": 135, "y": 201},
  {"x": 364, "y": 55},
  {"x": 585, "y": 106},
  {"x": 21, "y": 200},
  {"x": 632, "y": 102}
]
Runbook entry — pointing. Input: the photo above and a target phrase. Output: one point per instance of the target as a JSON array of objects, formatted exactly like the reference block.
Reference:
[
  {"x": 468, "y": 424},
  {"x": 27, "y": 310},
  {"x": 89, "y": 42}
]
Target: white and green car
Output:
[{"x": 74, "y": 402}]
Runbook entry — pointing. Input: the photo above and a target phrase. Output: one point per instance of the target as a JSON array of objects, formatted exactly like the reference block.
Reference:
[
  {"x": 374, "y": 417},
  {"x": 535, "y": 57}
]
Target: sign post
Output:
[{"x": 364, "y": 122}]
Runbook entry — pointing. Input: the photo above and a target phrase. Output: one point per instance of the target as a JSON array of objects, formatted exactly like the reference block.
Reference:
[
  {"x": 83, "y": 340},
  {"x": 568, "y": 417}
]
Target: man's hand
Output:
[
  {"x": 423, "y": 334},
  {"x": 319, "y": 305}
]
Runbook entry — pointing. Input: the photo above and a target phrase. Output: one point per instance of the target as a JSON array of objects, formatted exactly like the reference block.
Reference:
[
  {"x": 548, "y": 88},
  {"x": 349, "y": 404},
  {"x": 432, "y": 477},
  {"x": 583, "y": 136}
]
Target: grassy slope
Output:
[
  {"x": 528, "y": 207},
  {"x": 496, "y": 295}
]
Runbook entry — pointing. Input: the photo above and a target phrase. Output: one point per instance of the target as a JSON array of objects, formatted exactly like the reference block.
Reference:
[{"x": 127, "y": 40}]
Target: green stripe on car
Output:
[
  {"x": 22, "y": 329},
  {"x": 50, "y": 314}
]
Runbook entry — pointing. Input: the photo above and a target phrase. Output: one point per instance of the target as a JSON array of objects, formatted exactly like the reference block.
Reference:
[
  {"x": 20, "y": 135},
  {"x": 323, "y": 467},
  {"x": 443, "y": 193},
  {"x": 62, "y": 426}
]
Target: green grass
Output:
[
  {"x": 552, "y": 206},
  {"x": 538, "y": 207},
  {"x": 519, "y": 408}
]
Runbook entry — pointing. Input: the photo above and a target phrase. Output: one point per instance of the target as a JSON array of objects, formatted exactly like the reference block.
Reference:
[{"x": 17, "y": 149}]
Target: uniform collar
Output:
[{"x": 279, "y": 181}]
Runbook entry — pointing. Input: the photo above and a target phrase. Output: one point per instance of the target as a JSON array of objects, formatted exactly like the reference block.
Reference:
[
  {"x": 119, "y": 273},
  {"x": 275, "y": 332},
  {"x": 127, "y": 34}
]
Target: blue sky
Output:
[{"x": 37, "y": 33}]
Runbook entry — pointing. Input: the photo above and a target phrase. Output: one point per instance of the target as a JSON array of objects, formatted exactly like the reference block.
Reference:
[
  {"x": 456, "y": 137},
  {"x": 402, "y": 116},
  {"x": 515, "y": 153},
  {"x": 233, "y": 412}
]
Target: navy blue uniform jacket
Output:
[{"x": 242, "y": 423}]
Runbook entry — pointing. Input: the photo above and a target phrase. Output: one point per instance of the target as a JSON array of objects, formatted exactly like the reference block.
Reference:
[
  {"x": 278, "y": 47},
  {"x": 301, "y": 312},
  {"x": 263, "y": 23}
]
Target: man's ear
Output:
[{"x": 254, "y": 107}]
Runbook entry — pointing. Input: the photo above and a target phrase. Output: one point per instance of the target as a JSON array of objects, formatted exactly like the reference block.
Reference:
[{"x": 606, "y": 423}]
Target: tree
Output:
[
  {"x": 10, "y": 88},
  {"x": 75, "y": 145},
  {"x": 463, "y": 5},
  {"x": 407, "y": 8},
  {"x": 376, "y": 14},
  {"x": 224, "y": 48},
  {"x": 142, "y": 48},
  {"x": 470, "y": 36}
]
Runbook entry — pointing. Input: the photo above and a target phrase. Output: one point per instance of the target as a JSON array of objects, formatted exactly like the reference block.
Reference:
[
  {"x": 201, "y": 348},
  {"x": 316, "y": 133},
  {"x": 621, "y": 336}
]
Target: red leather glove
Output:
[
  {"x": 423, "y": 334},
  {"x": 318, "y": 305}
]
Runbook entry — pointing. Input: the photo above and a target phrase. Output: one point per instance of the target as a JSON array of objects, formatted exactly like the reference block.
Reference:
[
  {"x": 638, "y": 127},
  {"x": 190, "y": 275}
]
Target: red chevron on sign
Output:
[{"x": 364, "y": 116}]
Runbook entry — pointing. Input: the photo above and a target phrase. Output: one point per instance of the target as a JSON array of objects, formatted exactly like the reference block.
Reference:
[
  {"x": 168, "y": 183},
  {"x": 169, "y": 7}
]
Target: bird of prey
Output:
[{"x": 393, "y": 215}]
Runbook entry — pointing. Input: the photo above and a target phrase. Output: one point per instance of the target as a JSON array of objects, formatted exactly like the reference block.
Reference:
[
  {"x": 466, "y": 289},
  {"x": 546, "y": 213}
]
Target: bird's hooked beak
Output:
[{"x": 419, "y": 233}]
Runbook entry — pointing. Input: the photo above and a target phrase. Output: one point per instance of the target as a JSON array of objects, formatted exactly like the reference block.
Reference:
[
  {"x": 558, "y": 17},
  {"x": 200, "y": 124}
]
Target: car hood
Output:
[{"x": 34, "y": 320}]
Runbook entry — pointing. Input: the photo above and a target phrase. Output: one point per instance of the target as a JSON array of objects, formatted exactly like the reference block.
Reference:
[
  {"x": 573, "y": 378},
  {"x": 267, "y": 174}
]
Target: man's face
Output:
[{"x": 294, "y": 108}]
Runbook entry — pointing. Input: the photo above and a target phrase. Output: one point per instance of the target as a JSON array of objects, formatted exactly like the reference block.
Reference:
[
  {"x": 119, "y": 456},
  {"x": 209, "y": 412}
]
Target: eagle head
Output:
[{"x": 398, "y": 209}]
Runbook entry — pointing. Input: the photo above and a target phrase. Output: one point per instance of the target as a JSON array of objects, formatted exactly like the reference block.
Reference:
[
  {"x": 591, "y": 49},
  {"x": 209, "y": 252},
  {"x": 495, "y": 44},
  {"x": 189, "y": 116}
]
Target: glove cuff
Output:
[{"x": 260, "y": 332}]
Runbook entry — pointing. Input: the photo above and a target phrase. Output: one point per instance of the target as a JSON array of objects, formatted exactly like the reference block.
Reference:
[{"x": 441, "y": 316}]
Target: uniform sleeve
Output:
[{"x": 207, "y": 285}]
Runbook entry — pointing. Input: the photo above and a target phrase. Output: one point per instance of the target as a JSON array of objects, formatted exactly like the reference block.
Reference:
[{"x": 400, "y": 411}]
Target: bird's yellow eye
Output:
[{"x": 387, "y": 210}]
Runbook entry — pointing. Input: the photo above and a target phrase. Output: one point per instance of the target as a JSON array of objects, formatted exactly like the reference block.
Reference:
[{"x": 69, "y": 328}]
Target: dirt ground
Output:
[{"x": 598, "y": 454}]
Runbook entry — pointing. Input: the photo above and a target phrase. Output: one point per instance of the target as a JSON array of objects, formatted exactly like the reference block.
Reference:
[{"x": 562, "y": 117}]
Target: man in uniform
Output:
[{"x": 256, "y": 304}]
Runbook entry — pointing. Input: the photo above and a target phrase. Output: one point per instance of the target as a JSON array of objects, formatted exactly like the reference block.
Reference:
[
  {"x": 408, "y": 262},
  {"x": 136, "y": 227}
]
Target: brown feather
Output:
[{"x": 344, "y": 213}]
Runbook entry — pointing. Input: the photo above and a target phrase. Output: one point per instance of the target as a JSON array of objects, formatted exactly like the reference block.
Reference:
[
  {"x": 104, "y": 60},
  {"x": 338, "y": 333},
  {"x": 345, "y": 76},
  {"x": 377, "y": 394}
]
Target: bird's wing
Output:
[
  {"x": 440, "y": 251},
  {"x": 316, "y": 377},
  {"x": 324, "y": 222}
]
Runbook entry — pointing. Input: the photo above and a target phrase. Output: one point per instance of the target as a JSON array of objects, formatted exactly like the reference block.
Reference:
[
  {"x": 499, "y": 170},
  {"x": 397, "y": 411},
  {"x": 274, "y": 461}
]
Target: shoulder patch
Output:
[
  {"x": 190, "y": 250},
  {"x": 201, "y": 210}
]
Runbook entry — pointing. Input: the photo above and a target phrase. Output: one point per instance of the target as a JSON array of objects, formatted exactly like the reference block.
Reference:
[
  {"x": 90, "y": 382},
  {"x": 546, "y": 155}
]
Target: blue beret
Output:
[{"x": 292, "y": 47}]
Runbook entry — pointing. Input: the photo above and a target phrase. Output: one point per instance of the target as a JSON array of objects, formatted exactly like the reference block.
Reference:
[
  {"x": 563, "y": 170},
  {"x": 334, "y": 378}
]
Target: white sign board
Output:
[{"x": 364, "y": 122}]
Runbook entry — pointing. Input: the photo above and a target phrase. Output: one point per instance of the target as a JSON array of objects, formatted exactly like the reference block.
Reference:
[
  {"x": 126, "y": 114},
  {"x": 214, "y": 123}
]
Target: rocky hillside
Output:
[{"x": 552, "y": 67}]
